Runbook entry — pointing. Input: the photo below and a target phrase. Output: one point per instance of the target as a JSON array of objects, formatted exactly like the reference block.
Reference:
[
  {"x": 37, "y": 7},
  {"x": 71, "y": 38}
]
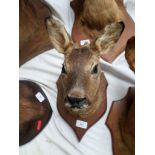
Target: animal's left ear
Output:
[
  {"x": 59, "y": 36},
  {"x": 106, "y": 41}
]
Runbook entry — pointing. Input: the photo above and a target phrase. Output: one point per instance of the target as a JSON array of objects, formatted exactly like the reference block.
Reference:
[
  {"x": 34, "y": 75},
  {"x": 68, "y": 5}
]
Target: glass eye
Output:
[
  {"x": 63, "y": 70},
  {"x": 95, "y": 69}
]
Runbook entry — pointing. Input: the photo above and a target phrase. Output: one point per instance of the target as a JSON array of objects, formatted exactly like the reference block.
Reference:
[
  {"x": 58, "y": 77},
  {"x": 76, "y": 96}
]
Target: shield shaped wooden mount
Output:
[
  {"x": 121, "y": 122},
  {"x": 37, "y": 96},
  {"x": 81, "y": 125}
]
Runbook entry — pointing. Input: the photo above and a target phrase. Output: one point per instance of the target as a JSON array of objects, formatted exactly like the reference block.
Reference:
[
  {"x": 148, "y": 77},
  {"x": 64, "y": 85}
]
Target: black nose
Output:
[{"x": 76, "y": 102}]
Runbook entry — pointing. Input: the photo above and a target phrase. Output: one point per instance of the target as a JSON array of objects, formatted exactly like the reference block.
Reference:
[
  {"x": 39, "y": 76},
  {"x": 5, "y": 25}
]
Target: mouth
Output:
[{"x": 76, "y": 107}]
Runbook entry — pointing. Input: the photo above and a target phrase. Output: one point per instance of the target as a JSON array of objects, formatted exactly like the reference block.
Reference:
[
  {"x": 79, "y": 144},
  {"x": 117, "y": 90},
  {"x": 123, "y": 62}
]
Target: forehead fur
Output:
[{"x": 81, "y": 55}]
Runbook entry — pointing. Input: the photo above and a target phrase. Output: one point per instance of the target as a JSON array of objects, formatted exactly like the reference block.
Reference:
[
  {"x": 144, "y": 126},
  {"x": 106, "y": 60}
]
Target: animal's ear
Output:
[
  {"x": 59, "y": 36},
  {"x": 130, "y": 53},
  {"x": 107, "y": 40}
]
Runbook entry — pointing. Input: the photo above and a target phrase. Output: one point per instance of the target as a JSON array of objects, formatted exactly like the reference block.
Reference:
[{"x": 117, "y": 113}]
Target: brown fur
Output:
[
  {"x": 126, "y": 124},
  {"x": 61, "y": 42},
  {"x": 75, "y": 83},
  {"x": 121, "y": 121},
  {"x": 130, "y": 53},
  {"x": 79, "y": 62},
  {"x": 33, "y": 37},
  {"x": 29, "y": 109},
  {"x": 99, "y": 13},
  {"x": 95, "y": 15}
]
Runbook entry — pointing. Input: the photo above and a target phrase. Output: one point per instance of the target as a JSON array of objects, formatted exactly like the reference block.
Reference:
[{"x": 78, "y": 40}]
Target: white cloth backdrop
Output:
[{"x": 57, "y": 138}]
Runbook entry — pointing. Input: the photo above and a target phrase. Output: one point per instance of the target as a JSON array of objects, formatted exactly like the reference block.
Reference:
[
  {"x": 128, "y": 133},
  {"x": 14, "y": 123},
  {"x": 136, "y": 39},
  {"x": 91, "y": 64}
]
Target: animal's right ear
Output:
[
  {"x": 59, "y": 36},
  {"x": 108, "y": 39},
  {"x": 130, "y": 53}
]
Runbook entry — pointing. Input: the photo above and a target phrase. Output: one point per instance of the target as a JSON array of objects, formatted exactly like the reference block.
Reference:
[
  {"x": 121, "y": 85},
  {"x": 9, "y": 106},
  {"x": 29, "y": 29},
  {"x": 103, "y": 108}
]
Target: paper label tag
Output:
[
  {"x": 81, "y": 124},
  {"x": 84, "y": 42},
  {"x": 40, "y": 97}
]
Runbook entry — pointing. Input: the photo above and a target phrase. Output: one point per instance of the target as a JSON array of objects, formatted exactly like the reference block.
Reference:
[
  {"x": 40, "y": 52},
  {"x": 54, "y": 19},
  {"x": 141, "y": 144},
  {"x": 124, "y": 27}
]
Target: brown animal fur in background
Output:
[
  {"x": 29, "y": 109},
  {"x": 121, "y": 122},
  {"x": 130, "y": 53},
  {"x": 127, "y": 126},
  {"x": 95, "y": 15},
  {"x": 99, "y": 13},
  {"x": 33, "y": 36}
]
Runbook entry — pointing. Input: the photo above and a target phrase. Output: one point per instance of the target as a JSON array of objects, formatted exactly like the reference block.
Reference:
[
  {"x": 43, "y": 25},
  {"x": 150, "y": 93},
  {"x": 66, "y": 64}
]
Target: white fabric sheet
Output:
[
  {"x": 58, "y": 138},
  {"x": 130, "y": 7}
]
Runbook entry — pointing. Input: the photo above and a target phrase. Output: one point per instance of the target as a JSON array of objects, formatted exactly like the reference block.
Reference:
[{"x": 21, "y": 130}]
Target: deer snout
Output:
[{"x": 76, "y": 102}]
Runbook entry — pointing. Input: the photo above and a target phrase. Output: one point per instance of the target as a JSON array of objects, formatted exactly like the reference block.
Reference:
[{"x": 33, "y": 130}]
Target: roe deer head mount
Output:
[{"x": 81, "y": 71}]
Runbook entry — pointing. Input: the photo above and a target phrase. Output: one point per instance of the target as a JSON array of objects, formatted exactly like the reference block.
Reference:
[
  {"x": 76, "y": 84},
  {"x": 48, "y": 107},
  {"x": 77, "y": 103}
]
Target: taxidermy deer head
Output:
[{"x": 81, "y": 71}]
